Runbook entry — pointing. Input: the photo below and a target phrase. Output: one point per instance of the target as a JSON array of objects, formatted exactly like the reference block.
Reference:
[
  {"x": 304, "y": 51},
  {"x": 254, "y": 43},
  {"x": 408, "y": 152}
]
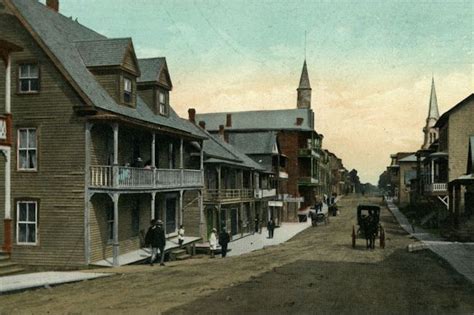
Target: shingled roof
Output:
[
  {"x": 103, "y": 52},
  {"x": 58, "y": 35},
  {"x": 283, "y": 119},
  {"x": 255, "y": 142},
  {"x": 217, "y": 150}
]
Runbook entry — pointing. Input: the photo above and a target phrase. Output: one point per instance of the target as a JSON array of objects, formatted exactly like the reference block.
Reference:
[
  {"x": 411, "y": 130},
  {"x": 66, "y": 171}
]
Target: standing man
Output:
[
  {"x": 224, "y": 239},
  {"x": 270, "y": 228},
  {"x": 155, "y": 237}
]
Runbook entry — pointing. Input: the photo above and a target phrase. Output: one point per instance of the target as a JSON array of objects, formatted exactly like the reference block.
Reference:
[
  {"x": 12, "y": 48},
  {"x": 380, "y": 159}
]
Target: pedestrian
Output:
[
  {"x": 270, "y": 228},
  {"x": 256, "y": 224},
  {"x": 181, "y": 235},
  {"x": 155, "y": 238},
  {"x": 213, "y": 242},
  {"x": 224, "y": 239}
]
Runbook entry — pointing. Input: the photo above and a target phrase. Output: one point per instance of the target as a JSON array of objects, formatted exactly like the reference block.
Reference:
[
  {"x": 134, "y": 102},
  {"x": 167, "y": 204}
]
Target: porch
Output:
[
  {"x": 145, "y": 253},
  {"x": 227, "y": 195}
]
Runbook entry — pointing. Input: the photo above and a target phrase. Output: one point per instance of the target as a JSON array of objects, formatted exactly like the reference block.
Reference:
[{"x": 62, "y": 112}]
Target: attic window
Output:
[
  {"x": 28, "y": 78},
  {"x": 162, "y": 103},
  {"x": 127, "y": 90}
]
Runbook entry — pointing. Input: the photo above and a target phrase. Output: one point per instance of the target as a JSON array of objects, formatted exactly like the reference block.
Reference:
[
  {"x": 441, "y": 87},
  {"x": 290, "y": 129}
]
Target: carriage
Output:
[{"x": 369, "y": 227}]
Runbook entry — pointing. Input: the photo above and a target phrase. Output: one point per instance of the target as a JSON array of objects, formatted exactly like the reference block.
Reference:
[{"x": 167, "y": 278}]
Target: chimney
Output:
[
  {"x": 222, "y": 134},
  {"x": 53, "y": 5},
  {"x": 299, "y": 121},
  {"x": 202, "y": 124},
  {"x": 192, "y": 115},
  {"x": 228, "y": 121}
]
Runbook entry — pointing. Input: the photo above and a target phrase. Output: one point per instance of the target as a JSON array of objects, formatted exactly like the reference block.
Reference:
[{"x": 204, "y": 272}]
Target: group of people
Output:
[
  {"x": 156, "y": 239},
  {"x": 223, "y": 240}
]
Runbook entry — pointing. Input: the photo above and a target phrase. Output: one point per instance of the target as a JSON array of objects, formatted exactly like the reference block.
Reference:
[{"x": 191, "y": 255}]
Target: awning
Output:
[{"x": 438, "y": 155}]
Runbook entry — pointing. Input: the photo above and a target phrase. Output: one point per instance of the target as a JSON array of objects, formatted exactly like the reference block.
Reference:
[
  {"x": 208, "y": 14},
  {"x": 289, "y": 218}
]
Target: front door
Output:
[{"x": 170, "y": 215}]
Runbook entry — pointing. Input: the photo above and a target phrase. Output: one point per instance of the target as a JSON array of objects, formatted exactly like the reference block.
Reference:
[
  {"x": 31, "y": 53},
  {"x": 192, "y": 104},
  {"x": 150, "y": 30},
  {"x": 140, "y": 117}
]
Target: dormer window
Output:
[
  {"x": 162, "y": 103},
  {"x": 28, "y": 78},
  {"x": 127, "y": 90}
]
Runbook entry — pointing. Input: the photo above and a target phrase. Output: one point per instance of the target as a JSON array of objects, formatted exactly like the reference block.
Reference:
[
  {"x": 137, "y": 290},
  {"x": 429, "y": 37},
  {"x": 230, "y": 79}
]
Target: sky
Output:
[{"x": 370, "y": 62}]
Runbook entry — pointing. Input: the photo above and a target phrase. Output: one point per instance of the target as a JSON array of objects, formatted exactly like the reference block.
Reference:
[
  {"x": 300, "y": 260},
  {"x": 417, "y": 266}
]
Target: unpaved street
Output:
[{"x": 317, "y": 271}]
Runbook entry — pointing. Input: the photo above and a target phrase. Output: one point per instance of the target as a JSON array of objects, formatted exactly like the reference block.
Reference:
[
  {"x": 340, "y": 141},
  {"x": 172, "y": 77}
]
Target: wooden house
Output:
[{"x": 97, "y": 151}]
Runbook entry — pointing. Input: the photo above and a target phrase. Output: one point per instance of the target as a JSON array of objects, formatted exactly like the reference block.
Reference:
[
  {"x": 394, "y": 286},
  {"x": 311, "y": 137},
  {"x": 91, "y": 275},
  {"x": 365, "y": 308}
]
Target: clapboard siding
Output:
[
  {"x": 129, "y": 62},
  {"x": 101, "y": 247},
  {"x": 58, "y": 183},
  {"x": 191, "y": 213},
  {"x": 147, "y": 94},
  {"x": 110, "y": 81}
]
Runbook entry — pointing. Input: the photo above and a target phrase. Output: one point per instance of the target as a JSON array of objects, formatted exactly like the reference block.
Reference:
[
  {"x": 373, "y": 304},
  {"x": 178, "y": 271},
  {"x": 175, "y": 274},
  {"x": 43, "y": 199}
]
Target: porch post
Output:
[
  {"x": 116, "y": 244},
  {"x": 457, "y": 204},
  {"x": 181, "y": 158},
  {"x": 201, "y": 163},
  {"x": 7, "y": 222},
  {"x": 115, "y": 128},
  {"x": 201, "y": 215},
  {"x": 152, "y": 206},
  {"x": 153, "y": 148},
  {"x": 86, "y": 193},
  {"x": 181, "y": 193},
  {"x": 432, "y": 171},
  {"x": 219, "y": 180}
]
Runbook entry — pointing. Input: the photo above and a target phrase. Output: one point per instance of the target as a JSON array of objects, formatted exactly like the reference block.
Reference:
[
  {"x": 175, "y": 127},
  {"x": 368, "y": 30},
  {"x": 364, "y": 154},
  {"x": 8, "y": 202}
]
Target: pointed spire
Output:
[
  {"x": 433, "y": 110},
  {"x": 304, "y": 80}
]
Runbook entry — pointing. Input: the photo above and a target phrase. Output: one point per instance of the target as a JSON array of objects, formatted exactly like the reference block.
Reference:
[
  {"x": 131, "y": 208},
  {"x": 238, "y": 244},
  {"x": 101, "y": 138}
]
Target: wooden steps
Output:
[
  {"x": 7, "y": 267},
  {"x": 179, "y": 254}
]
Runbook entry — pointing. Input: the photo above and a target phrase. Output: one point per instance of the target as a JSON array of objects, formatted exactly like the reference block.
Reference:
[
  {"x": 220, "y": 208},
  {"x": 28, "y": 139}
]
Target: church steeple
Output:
[
  {"x": 304, "y": 89},
  {"x": 433, "y": 111},
  {"x": 431, "y": 133}
]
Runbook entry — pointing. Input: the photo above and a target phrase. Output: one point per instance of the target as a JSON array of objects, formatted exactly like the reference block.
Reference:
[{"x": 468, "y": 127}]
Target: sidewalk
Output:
[
  {"x": 260, "y": 240},
  {"x": 44, "y": 279},
  {"x": 459, "y": 255}
]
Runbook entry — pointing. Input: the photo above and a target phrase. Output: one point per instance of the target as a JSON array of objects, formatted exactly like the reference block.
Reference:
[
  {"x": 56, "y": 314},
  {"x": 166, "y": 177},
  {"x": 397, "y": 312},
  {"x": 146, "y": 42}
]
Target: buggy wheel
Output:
[
  {"x": 353, "y": 237},
  {"x": 382, "y": 237}
]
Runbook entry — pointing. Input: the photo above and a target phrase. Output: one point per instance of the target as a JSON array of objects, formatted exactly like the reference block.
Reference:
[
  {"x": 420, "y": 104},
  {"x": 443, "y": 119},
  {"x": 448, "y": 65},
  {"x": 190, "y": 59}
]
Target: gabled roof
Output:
[
  {"x": 444, "y": 118},
  {"x": 58, "y": 36},
  {"x": 217, "y": 150},
  {"x": 283, "y": 119},
  {"x": 152, "y": 68},
  {"x": 103, "y": 52},
  {"x": 255, "y": 142}
]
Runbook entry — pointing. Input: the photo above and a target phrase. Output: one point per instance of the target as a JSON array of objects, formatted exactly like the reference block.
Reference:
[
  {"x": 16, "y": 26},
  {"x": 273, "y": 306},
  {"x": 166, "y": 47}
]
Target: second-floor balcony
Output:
[
  {"x": 308, "y": 181},
  {"x": 265, "y": 193},
  {"x": 123, "y": 177},
  {"x": 436, "y": 188},
  {"x": 227, "y": 195},
  {"x": 308, "y": 152}
]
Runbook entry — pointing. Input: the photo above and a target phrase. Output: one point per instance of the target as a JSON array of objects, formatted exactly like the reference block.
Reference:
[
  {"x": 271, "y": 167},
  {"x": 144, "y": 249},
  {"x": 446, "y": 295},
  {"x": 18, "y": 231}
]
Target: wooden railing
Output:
[
  {"x": 228, "y": 194},
  {"x": 123, "y": 177},
  {"x": 436, "y": 187},
  {"x": 263, "y": 193}
]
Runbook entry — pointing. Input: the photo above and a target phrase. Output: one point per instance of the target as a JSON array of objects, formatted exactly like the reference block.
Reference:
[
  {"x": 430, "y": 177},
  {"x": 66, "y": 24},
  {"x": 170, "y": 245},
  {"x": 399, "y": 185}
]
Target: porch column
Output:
[
  {"x": 201, "y": 216},
  {"x": 240, "y": 222},
  {"x": 457, "y": 204},
  {"x": 116, "y": 245},
  {"x": 201, "y": 153},
  {"x": 432, "y": 172},
  {"x": 219, "y": 180},
  {"x": 87, "y": 196},
  {"x": 115, "y": 128},
  {"x": 181, "y": 157},
  {"x": 152, "y": 206},
  {"x": 7, "y": 222},
  {"x": 181, "y": 193},
  {"x": 153, "y": 148},
  {"x": 170, "y": 156}
]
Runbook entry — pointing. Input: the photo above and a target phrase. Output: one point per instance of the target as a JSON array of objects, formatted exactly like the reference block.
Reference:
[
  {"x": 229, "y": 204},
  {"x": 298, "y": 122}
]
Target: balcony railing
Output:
[
  {"x": 308, "y": 181},
  {"x": 436, "y": 187},
  {"x": 123, "y": 177},
  {"x": 307, "y": 152},
  {"x": 227, "y": 194},
  {"x": 265, "y": 193}
]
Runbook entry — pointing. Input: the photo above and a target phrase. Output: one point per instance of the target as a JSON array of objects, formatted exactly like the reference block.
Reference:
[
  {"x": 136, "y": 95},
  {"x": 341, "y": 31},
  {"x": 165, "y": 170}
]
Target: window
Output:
[
  {"x": 162, "y": 106},
  {"x": 110, "y": 224},
  {"x": 127, "y": 90},
  {"x": 27, "y": 149},
  {"x": 27, "y": 223},
  {"x": 28, "y": 76}
]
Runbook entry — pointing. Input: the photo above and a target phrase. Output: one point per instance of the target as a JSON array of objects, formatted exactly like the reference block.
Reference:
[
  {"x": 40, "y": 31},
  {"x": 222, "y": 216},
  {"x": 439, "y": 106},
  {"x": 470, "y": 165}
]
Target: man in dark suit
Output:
[
  {"x": 155, "y": 237},
  {"x": 224, "y": 239}
]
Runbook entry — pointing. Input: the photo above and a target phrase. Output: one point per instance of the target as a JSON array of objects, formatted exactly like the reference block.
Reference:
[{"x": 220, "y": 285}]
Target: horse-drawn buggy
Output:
[
  {"x": 368, "y": 220},
  {"x": 318, "y": 215}
]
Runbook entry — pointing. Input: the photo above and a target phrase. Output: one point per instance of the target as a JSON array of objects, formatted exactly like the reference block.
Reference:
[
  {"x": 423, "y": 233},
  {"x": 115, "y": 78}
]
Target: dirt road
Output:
[{"x": 317, "y": 271}]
